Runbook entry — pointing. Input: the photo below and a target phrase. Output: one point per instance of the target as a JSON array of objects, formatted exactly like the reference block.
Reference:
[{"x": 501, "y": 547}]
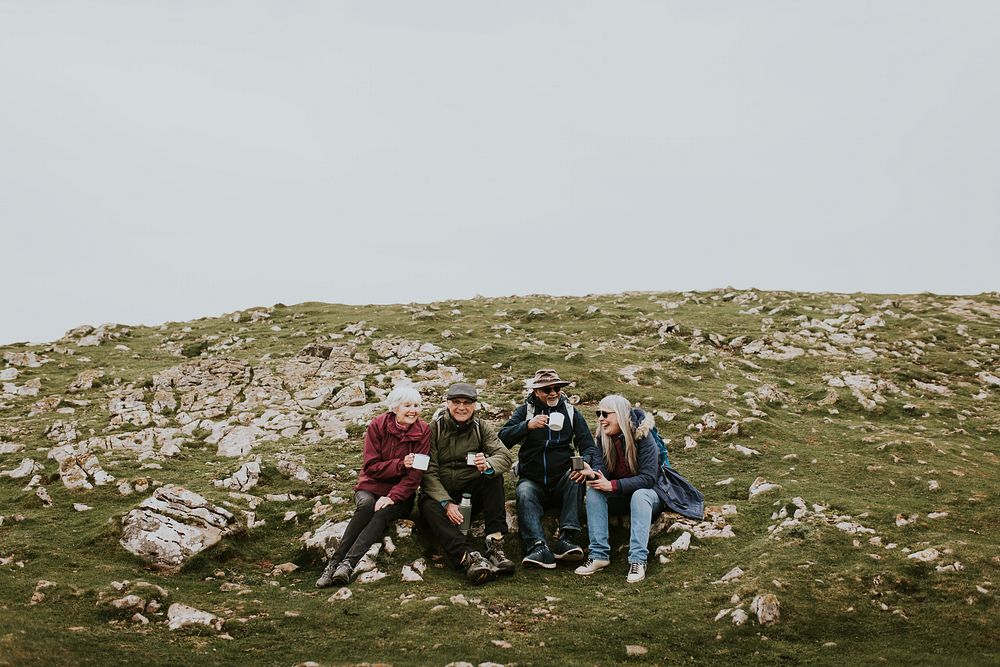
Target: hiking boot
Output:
[
  {"x": 565, "y": 548},
  {"x": 494, "y": 553},
  {"x": 636, "y": 572},
  {"x": 591, "y": 566},
  {"x": 326, "y": 579},
  {"x": 478, "y": 570},
  {"x": 539, "y": 556},
  {"x": 342, "y": 575}
]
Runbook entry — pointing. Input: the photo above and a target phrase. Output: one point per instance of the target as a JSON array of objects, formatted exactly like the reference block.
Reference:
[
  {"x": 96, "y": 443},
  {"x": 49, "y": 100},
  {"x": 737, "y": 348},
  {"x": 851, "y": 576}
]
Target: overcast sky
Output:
[{"x": 171, "y": 160}]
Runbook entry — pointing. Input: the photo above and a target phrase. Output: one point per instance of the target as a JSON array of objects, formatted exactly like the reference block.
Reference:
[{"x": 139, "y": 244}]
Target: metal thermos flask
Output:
[{"x": 465, "y": 507}]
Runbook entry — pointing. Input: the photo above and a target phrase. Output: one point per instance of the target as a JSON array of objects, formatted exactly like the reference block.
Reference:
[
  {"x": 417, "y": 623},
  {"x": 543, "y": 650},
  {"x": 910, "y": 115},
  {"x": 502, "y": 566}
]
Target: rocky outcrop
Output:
[{"x": 172, "y": 526}]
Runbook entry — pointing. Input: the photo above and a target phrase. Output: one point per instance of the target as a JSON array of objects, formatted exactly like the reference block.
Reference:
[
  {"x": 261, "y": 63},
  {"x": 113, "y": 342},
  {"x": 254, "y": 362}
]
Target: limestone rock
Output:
[
  {"x": 767, "y": 608},
  {"x": 326, "y": 537},
  {"x": 79, "y": 468},
  {"x": 182, "y": 616},
  {"x": 341, "y": 594},
  {"x": 293, "y": 470},
  {"x": 732, "y": 575},
  {"x": 243, "y": 479},
  {"x": 635, "y": 650},
  {"x": 85, "y": 380},
  {"x": 173, "y": 525},
  {"x": 10, "y": 448},
  {"x": 759, "y": 486},
  {"x": 43, "y": 496},
  {"x": 24, "y": 359},
  {"x": 27, "y": 467},
  {"x": 239, "y": 440},
  {"x": 926, "y": 555}
]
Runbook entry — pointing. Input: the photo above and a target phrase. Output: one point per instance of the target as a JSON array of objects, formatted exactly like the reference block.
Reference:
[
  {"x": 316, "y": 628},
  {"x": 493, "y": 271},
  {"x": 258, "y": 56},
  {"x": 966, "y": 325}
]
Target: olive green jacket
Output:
[{"x": 448, "y": 471}]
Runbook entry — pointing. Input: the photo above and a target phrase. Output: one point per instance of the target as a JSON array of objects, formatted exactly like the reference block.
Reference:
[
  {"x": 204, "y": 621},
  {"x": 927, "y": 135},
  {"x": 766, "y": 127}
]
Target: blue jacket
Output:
[
  {"x": 544, "y": 456},
  {"x": 675, "y": 493},
  {"x": 647, "y": 457}
]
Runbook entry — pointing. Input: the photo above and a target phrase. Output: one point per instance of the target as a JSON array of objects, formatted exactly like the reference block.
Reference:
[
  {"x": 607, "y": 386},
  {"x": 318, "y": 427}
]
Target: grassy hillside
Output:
[{"x": 877, "y": 417}]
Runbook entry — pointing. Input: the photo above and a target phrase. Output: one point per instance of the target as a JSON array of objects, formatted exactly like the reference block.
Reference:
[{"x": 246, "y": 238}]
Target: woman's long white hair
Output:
[{"x": 623, "y": 410}]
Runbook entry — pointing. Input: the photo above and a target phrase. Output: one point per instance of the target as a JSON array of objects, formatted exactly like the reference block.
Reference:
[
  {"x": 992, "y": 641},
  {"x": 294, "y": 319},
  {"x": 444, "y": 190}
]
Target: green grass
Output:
[{"x": 870, "y": 465}]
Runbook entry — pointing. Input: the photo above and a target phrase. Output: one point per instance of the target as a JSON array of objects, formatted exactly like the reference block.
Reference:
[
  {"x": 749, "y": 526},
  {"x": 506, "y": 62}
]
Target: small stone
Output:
[
  {"x": 80, "y": 507},
  {"x": 370, "y": 576},
  {"x": 635, "y": 650},
  {"x": 732, "y": 575},
  {"x": 759, "y": 486},
  {"x": 739, "y": 617},
  {"x": 181, "y": 616},
  {"x": 459, "y": 600},
  {"x": 925, "y": 556},
  {"x": 501, "y": 643},
  {"x": 129, "y": 602},
  {"x": 140, "y": 619},
  {"x": 767, "y": 608},
  {"x": 284, "y": 568},
  {"x": 341, "y": 594}
]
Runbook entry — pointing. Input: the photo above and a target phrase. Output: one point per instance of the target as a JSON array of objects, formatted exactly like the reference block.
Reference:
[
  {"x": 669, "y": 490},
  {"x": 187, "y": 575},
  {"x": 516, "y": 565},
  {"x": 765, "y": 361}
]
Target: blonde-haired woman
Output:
[{"x": 623, "y": 478}]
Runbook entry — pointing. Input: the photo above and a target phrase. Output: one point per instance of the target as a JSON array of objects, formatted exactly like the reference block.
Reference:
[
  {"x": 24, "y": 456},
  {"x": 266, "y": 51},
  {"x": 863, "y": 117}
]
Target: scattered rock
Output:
[
  {"x": 341, "y": 594},
  {"x": 759, "y": 486},
  {"x": 767, "y": 608},
  {"x": 926, "y": 555},
  {"x": 173, "y": 525},
  {"x": 182, "y": 616}
]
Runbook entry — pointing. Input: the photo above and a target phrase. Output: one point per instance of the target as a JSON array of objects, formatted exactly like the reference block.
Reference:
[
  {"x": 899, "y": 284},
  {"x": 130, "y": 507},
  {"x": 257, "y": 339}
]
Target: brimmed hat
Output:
[
  {"x": 546, "y": 377},
  {"x": 462, "y": 390}
]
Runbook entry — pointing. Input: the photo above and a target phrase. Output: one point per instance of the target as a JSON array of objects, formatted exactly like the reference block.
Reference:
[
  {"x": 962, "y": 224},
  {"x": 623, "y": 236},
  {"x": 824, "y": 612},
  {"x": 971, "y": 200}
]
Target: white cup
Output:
[
  {"x": 471, "y": 458},
  {"x": 556, "y": 420},
  {"x": 421, "y": 461}
]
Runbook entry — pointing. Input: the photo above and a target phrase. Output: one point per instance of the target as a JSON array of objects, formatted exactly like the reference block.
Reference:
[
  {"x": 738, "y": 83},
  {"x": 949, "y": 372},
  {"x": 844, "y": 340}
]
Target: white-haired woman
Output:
[
  {"x": 623, "y": 478},
  {"x": 387, "y": 481}
]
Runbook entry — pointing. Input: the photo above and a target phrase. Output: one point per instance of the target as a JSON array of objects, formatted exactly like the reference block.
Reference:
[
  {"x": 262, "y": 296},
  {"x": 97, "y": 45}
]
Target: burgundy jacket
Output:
[{"x": 386, "y": 443}]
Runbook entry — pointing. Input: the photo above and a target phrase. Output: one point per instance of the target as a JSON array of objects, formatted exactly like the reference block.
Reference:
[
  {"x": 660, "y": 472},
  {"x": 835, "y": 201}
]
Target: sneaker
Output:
[
  {"x": 343, "y": 573},
  {"x": 566, "y": 549},
  {"x": 494, "y": 553},
  {"x": 477, "y": 569},
  {"x": 636, "y": 572},
  {"x": 591, "y": 566},
  {"x": 326, "y": 579},
  {"x": 539, "y": 556}
]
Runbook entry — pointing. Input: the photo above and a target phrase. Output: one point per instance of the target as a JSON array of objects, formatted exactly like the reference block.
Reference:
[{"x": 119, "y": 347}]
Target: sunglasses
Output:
[
  {"x": 549, "y": 390},
  {"x": 604, "y": 414}
]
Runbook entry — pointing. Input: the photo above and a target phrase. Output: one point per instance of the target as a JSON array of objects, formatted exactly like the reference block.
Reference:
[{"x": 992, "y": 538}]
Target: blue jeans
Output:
[
  {"x": 641, "y": 506},
  {"x": 531, "y": 498}
]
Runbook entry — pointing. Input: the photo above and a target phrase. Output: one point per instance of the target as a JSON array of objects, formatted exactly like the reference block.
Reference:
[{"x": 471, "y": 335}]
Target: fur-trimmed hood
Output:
[{"x": 642, "y": 423}]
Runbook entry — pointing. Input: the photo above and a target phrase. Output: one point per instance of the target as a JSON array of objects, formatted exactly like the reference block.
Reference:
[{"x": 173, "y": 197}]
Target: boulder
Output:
[
  {"x": 767, "y": 608},
  {"x": 182, "y": 616},
  {"x": 172, "y": 526}
]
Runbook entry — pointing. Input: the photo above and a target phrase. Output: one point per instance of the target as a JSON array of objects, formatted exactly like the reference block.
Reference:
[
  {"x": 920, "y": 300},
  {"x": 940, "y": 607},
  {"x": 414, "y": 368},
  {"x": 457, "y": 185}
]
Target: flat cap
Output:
[{"x": 462, "y": 390}]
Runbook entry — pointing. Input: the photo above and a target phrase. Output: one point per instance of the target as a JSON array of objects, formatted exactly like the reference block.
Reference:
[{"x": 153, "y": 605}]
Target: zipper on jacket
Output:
[{"x": 545, "y": 456}]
